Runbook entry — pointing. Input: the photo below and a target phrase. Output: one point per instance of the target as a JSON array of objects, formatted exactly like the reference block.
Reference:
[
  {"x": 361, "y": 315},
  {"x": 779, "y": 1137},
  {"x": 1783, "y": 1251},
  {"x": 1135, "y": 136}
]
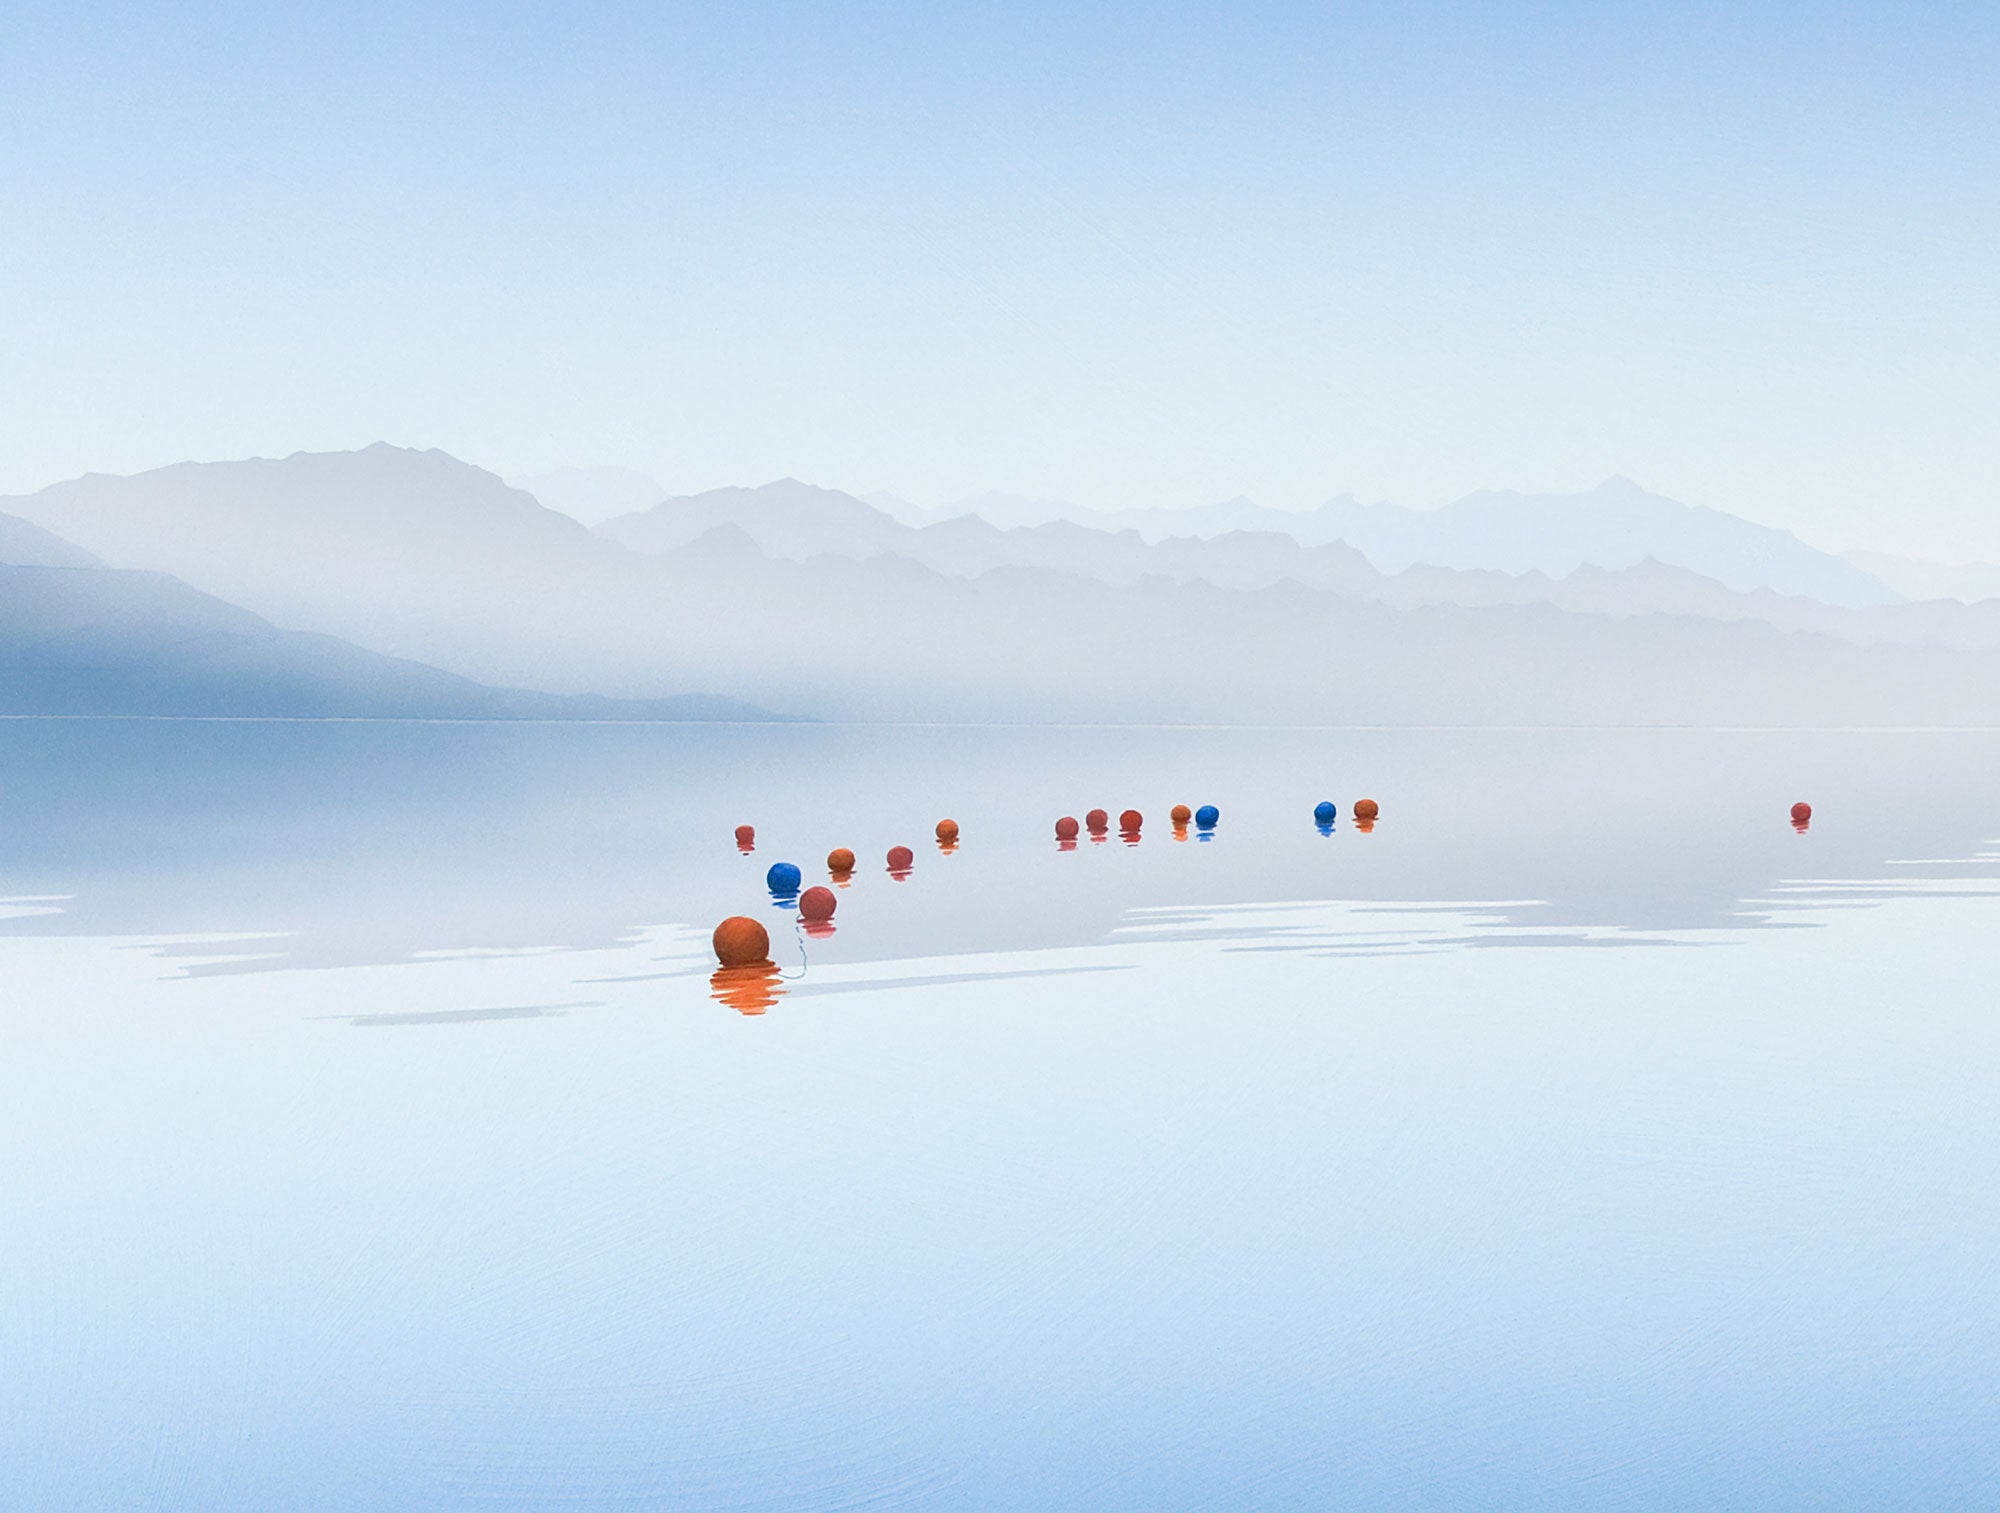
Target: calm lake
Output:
[{"x": 374, "y": 1133}]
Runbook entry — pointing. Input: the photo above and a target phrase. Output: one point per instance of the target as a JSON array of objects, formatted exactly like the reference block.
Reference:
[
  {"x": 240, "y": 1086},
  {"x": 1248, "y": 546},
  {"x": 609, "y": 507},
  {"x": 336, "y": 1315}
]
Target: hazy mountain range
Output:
[
  {"x": 78, "y": 637},
  {"x": 815, "y": 602}
]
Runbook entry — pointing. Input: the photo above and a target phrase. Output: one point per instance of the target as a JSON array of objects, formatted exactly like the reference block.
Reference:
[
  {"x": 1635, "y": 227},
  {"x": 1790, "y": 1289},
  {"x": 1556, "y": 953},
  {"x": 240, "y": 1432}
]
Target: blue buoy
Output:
[
  {"x": 1206, "y": 816},
  {"x": 1324, "y": 812},
  {"x": 783, "y": 879}
]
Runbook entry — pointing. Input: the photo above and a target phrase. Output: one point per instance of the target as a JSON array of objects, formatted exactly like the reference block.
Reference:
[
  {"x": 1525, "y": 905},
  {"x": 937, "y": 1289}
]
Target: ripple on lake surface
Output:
[{"x": 1630, "y": 1151}]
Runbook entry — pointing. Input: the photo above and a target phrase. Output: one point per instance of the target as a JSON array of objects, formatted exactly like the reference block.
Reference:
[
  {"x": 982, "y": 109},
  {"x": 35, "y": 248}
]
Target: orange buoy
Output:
[
  {"x": 1366, "y": 809},
  {"x": 746, "y": 837},
  {"x": 1097, "y": 822},
  {"x": 947, "y": 830},
  {"x": 1181, "y": 814},
  {"x": 741, "y": 942},
  {"x": 1801, "y": 813},
  {"x": 1130, "y": 821},
  {"x": 1066, "y": 829},
  {"x": 839, "y": 860},
  {"x": 900, "y": 858},
  {"x": 816, "y": 904}
]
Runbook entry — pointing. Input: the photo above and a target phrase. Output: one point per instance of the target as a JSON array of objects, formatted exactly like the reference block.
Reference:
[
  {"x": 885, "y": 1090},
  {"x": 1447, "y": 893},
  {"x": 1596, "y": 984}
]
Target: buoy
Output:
[
  {"x": 1801, "y": 813},
  {"x": 947, "y": 830},
  {"x": 783, "y": 878},
  {"x": 839, "y": 860},
  {"x": 1097, "y": 822},
  {"x": 741, "y": 942},
  {"x": 1066, "y": 829},
  {"x": 816, "y": 904},
  {"x": 1324, "y": 812},
  {"x": 1130, "y": 821},
  {"x": 900, "y": 858},
  {"x": 746, "y": 839},
  {"x": 1181, "y": 814},
  {"x": 1206, "y": 816},
  {"x": 1366, "y": 809}
]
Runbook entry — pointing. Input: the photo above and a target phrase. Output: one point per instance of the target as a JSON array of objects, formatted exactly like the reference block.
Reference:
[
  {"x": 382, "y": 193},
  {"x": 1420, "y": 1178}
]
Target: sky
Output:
[{"x": 1116, "y": 254}]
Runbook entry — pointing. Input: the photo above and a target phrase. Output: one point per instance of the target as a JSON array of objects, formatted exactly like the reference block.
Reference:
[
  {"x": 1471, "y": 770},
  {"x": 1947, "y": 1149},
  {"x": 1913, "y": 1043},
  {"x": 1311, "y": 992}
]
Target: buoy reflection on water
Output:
[{"x": 750, "y": 989}]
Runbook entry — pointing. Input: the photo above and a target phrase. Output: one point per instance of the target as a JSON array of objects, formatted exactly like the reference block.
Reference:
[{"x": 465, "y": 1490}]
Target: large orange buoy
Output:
[
  {"x": 741, "y": 942},
  {"x": 1130, "y": 821},
  {"x": 947, "y": 830},
  {"x": 900, "y": 858},
  {"x": 1366, "y": 809},
  {"x": 839, "y": 860},
  {"x": 1097, "y": 822},
  {"x": 1801, "y": 813},
  {"x": 1181, "y": 814},
  {"x": 816, "y": 904},
  {"x": 1066, "y": 828}
]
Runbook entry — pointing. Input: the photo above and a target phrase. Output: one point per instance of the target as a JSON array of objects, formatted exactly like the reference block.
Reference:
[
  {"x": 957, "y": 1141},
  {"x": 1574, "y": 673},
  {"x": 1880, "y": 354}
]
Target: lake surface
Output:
[{"x": 377, "y": 1134}]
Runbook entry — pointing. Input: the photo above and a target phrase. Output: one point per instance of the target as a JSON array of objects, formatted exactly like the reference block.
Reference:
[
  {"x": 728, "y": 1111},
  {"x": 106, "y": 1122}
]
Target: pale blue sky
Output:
[{"x": 1123, "y": 255}]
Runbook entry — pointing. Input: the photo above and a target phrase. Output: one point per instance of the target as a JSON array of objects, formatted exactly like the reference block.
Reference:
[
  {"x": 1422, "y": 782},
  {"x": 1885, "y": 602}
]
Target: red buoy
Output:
[
  {"x": 746, "y": 837},
  {"x": 741, "y": 942},
  {"x": 1801, "y": 813},
  {"x": 900, "y": 858},
  {"x": 1097, "y": 822},
  {"x": 1066, "y": 829},
  {"x": 1130, "y": 821},
  {"x": 816, "y": 904}
]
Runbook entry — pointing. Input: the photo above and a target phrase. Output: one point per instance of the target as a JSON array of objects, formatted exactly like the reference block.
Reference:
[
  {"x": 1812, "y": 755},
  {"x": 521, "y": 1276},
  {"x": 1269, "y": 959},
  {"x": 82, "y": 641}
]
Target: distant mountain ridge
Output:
[
  {"x": 796, "y": 522},
  {"x": 808, "y": 600},
  {"x": 1616, "y": 525},
  {"x": 80, "y": 638}
]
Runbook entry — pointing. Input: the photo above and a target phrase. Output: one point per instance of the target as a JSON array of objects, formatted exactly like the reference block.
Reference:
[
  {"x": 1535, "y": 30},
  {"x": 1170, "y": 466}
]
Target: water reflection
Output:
[{"x": 749, "y": 990}]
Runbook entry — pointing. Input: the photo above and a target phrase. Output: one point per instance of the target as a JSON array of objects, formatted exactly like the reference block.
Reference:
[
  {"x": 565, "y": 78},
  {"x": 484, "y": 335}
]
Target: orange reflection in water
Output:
[
  {"x": 1180, "y": 830},
  {"x": 841, "y": 879},
  {"x": 1802, "y": 826},
  {"x": 1365, "y": 825},
  {"x": 947, "y": 847},
  {"x": 748, "y": 990}
]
